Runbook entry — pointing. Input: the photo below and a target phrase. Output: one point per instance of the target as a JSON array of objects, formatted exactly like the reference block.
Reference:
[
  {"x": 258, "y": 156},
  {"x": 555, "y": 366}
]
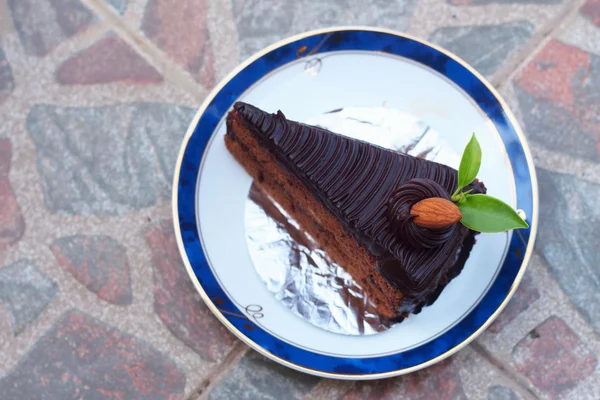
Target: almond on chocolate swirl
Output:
[
  {"x": 353, "y": 198},
  {"x": 399, "y": 211}
]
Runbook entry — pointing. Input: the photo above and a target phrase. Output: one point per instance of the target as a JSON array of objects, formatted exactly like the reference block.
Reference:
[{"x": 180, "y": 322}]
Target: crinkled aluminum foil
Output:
[{"x": 289, "y": 262}]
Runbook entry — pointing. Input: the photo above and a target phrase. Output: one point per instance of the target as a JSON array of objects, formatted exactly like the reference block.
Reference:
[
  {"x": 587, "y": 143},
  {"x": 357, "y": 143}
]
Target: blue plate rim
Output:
[{"x": 189, "y": 160}]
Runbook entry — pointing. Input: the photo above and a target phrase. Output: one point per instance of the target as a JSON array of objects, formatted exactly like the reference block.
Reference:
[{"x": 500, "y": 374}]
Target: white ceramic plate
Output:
[{"x": 305, "y": 77}]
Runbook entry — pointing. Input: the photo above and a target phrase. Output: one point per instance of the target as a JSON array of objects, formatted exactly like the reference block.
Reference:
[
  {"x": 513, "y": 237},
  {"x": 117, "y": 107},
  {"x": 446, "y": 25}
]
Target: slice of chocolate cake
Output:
[{"x": 354, "y": 199}]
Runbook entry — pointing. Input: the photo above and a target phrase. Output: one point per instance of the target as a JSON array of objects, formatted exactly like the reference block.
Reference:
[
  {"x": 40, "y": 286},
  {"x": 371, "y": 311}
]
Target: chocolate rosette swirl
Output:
[{"x": 400, "y": 204}]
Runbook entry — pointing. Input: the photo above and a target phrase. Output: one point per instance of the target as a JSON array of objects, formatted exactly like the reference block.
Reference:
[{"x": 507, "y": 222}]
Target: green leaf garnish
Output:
[
  {"x": 488, "y": 214},
  {"x": 481, "y": 212},
  {"x": 469, "y": 163}
]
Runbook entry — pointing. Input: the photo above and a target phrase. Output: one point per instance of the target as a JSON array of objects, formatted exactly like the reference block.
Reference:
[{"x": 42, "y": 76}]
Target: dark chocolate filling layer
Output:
[{"x": 355, "y": 180}]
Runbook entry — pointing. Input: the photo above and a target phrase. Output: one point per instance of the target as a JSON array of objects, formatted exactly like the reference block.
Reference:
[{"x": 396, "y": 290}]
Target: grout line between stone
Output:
[
  {"x": 555, "y": 161},
  {"x": 234, "y": 355},
  {"x": 156, "y": 57},
  {"x": 510, "y": 374},
  {"x": 517, "y": 63}
]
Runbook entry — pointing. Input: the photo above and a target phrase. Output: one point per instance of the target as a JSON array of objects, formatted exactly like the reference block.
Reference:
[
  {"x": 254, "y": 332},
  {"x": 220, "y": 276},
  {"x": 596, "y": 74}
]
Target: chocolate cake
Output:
[{"x": 354, "y": 199}]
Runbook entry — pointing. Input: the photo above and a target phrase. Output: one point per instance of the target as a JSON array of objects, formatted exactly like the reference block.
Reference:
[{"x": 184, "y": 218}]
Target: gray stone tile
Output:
[
  {"x": 484, "y": 47},
  {"x": 288, "y": 17},
  {"x": 6, "y": 79},
  {"x": 568, "y": 238},
  {"x": 165, "y": 126},
  {"x": 501, "y": 393},
  {"x": 43, "y": 24},
  {"x": 119, "y": 5},
  {"x": 255, "y": 377},
  {"x": 106, "y": 160},
  {"x": 25, "y": 292}
]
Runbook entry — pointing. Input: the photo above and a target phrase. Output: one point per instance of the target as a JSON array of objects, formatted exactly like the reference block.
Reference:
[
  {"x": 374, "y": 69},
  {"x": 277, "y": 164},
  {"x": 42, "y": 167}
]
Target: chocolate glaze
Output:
[
  {"x": 399, "y": 205},
  {"x": 355, "y": 180}
]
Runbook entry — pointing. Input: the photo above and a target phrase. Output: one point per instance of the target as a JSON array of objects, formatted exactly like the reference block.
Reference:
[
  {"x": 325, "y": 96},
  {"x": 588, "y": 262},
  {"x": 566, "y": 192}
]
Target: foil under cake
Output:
[{"x": 290, "y": 263}]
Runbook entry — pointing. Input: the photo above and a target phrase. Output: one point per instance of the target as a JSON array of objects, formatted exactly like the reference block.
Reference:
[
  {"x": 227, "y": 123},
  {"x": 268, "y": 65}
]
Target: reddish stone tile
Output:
[
  {"x": 43, "y": 24},
  {"x": 12, "y": 224},
  {"x": 108, "y": 60},
  {"x": 180, "y": 29},
  {"x": 591, "y": 10},
  {"x": 176, "y": 301},
  {"x": 6, "y": 80},
  {"x": 558, "y": 90},
  {"x": 373, "y": 390},
  {"x": 440, "y": 381},
  {"x": 99, "y": 263},
  {"x": 82, "y": 358},
  {"x": 550, "y": 74},
  {"x": 526, "y": 294},
  {"x": 26, "y": 292},
  {"x": 553, "y": 357}
]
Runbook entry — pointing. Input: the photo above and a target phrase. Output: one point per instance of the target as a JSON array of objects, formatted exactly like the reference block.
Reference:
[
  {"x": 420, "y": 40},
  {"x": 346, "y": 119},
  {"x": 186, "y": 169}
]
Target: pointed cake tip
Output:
[
  {"x": 242, "y": 107},
  {"x": 255, "y": 115},
  {"x": 248, "y": 111}
]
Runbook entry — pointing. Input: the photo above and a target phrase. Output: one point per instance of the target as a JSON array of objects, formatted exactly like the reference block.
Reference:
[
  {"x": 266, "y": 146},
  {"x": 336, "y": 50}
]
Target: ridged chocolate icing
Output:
[
  {"x": 356, "y": 181},
  {"x": 401, "y": 201}
]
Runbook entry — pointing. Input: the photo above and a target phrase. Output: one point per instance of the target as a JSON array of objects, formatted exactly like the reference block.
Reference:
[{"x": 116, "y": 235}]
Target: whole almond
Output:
[{"x": 435, "y": 213}]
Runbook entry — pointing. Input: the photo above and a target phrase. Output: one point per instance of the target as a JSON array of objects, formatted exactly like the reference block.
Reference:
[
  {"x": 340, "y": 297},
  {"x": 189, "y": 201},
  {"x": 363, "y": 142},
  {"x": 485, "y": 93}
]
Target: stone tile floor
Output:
[{"x": 94, "y": 299}]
